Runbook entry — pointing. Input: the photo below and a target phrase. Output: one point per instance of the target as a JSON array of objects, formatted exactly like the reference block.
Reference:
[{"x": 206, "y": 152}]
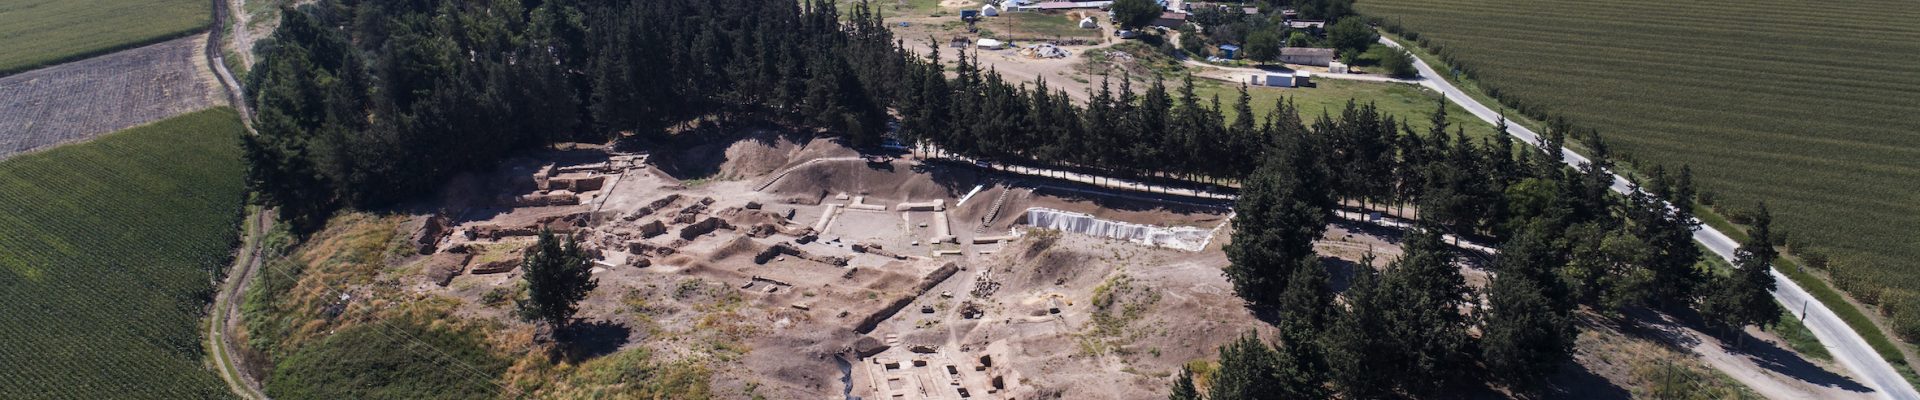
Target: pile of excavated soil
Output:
[
  {"x": 754, "y": 153},
  {"x": 885, "y": 185}
]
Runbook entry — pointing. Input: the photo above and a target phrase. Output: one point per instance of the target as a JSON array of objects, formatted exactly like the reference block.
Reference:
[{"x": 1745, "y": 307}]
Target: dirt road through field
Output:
[{"x": 226, "y": 307}]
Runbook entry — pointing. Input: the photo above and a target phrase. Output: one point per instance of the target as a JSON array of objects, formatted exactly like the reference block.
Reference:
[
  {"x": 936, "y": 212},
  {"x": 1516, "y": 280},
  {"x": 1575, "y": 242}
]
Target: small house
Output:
[
  {"x": 1306, "y": 56},
  {"x": 1227, "y": 51}
]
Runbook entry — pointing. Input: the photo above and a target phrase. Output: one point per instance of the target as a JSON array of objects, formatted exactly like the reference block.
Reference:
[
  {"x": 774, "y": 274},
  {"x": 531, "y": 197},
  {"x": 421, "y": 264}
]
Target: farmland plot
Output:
[
  {"x": 1811, "y": 107},
  {"x": 108, "y": 250},
  {"x": 78, "y": 100},
  {"x": 39, "y": 33}
]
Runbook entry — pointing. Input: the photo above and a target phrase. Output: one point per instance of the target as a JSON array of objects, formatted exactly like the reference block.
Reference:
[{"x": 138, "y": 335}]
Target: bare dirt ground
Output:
[
  {"x": 77, "y": 100},
  {"x": 1060, "y": 73}
]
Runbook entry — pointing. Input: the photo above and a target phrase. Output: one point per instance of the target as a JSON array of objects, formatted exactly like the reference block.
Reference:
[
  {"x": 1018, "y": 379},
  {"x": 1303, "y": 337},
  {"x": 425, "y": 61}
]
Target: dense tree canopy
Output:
[
  {"x": 1135, "y": 14},
  {"x": 365, "y": 104}
]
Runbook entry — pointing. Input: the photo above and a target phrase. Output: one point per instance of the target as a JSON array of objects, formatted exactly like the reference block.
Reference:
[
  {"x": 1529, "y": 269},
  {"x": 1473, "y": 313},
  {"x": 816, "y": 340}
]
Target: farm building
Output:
[
  {"x": 1296, "y": 79},
  {"x": 1306, "y": 56},
  {"x": 989, "y": 44},
  {"x": 1170, "y": 20},
  {"x": 1307, "y": 24},
  {"x": 1227, "y": 51}
]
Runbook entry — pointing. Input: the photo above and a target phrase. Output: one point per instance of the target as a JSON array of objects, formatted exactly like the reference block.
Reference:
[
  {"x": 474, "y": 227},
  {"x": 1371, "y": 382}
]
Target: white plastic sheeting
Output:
[{"x": 1183, "y": 238}]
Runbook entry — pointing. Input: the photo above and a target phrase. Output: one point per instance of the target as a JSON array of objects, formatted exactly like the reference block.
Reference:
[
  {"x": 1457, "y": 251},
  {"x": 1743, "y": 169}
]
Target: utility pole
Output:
[{"x": 1803, "y": 309}]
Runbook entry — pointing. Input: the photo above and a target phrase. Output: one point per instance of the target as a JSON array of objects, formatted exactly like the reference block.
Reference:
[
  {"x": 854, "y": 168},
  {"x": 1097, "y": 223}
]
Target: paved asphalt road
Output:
[{"x": 1847, "y": 346}]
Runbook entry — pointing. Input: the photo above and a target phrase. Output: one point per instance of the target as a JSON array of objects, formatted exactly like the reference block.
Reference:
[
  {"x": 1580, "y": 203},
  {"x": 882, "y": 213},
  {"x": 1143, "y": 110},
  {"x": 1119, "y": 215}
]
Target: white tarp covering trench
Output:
[{"x": 1183, "y": 238}]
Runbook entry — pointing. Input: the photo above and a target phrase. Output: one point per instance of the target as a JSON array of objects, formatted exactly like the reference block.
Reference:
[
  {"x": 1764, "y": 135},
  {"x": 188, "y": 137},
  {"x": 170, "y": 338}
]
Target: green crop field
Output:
[
  {"x": 38, "y": 33},
  {"x": 1407, "y": 102},
  {"x": 108, "y": 250},
  {"x": 1811, "y": 107}
]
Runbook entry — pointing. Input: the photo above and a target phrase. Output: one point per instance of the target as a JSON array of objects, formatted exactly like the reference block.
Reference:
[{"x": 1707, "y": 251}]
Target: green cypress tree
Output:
[
  {"x": 1247, "y": 371},
  {"x": 1183, "y": 388},
  {"x": 559, "y": 274}
]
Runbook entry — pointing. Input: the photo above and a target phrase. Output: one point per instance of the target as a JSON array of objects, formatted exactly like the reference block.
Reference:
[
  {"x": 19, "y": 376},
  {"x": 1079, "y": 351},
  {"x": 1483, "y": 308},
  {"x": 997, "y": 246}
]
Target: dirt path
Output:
[
  {"x": 242, "y": 36},
  {"x": 226, "y": 308},
  {"x": 1762, "y": 364},
  {"x": 226, "y": 303}
]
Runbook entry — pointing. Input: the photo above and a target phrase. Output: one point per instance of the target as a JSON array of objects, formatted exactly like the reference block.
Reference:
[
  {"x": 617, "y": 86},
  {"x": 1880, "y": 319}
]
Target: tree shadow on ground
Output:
[
  {"x": 1772, "y": 357},
  {"x": 585, "y": 340},
  {"x": 1672, "y": 329},
  {"x": 1576, "y": 381}
]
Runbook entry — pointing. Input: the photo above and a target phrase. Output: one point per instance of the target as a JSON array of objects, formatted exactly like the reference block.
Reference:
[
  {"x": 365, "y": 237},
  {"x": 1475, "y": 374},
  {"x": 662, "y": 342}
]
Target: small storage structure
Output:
[
  {"x": 990, "y": 10},
  {"x": 1279, "y": 80},
  {"x": 1227, "y": 51}
]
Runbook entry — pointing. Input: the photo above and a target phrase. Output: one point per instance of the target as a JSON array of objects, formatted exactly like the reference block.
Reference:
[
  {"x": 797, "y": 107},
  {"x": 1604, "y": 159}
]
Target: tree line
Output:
[
  {"x": 368, "y": 103},
  {"x": 1567, "y": 242}
]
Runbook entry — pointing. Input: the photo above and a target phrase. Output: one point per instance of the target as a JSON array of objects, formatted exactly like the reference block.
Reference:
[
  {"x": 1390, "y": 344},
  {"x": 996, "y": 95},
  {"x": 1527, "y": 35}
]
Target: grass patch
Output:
[
  {"x": 1409, "y": 103},
  {"x": 402, "y": 360},
  {"x": 107, "y": 253},
  {"x": 38, "y": 33},
  {"x": 1711, "y": 84},
  {"x": 1799, "y": 338}
]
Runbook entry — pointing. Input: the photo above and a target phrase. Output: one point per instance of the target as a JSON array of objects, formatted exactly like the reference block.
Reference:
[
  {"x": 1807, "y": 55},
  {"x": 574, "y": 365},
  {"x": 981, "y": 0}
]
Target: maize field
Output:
[
  {"x": 1810, "y": 107},
  {"x": 108, "y": 254}
]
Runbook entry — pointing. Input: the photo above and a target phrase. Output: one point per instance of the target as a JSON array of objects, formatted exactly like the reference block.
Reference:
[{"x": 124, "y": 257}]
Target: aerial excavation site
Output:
[
  {"x": 883, "y": 276},
  {"x": 959, "y": 199}
]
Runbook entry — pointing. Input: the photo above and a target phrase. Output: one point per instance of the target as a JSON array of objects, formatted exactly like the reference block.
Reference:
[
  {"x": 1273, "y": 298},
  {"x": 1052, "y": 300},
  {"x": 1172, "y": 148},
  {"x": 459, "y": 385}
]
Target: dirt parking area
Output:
[{"x": 78, "y": 100}]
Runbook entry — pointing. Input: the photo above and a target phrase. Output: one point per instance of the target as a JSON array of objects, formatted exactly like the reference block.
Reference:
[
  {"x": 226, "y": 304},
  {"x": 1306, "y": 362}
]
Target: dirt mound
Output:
[
  {"x": 757, "y": 152},
  {"x": 1039, "y": 265},
  {"x": 881, "y": 280},
  {"x": 738, "y": 246},
  {"x": 882, "y": 184}
]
